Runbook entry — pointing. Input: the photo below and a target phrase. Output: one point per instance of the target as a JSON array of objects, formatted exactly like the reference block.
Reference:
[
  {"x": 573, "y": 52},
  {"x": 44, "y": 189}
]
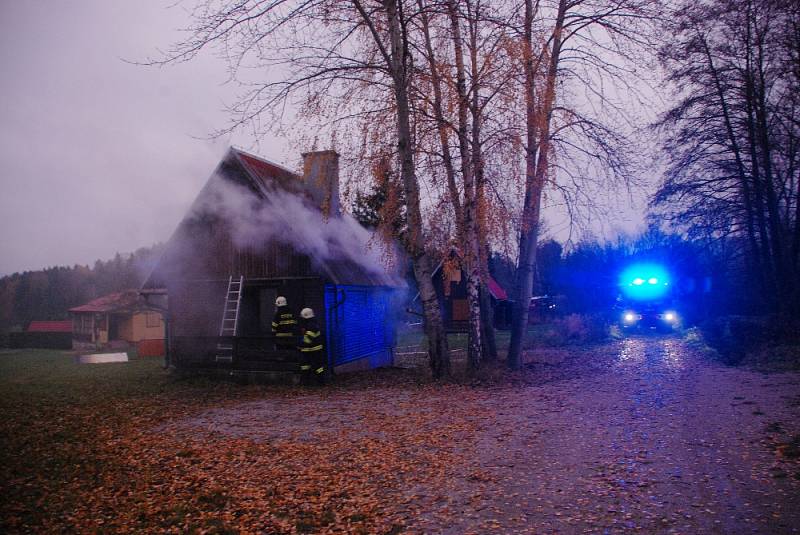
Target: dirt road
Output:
[{"x": 641, "y": 435}]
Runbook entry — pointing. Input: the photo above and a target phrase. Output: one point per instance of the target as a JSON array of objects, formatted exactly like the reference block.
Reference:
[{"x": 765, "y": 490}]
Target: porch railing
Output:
[{"x": 249, "y": 352}]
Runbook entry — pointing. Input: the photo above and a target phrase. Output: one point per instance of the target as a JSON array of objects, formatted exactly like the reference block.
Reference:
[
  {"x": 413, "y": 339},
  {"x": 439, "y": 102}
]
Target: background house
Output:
[
  {"x": 43, "y": 334},
  {"x": 119, "y": 320},
  {"x": 279, "y": 233},
  {"x": 450, "y": 282},
  {"x": 49, "y": 327}
]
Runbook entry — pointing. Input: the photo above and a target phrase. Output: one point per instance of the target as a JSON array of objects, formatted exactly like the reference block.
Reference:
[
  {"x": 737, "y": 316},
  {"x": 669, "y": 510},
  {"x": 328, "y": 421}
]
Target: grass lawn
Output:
[
  {"x": 81, "y": 451},
  {"x": 64, "y": 426},
  {"x": 39, "y": 377}
]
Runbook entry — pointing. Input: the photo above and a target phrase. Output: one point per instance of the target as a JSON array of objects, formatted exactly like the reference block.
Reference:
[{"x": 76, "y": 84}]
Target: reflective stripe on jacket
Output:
[
  {"x": 283, "y": 323},
  {"x": 312, "y": 338}
]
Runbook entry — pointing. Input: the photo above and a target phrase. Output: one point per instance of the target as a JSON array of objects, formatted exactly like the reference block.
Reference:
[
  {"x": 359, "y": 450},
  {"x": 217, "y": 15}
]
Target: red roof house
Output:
[
  {"x": 50, "y": 327},
  {"x": 118, "y": 320}
]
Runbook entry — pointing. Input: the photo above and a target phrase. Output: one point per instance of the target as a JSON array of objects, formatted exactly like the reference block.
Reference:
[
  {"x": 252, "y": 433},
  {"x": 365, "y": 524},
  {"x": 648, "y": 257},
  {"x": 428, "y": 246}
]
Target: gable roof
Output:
[
  {"x": 263, "y": 179},
  {"x": 495, "y": 290},
  {"x": 126, "y": 301}
]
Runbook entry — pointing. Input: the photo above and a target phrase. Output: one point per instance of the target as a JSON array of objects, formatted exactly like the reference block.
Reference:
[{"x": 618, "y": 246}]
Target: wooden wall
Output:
[{"x": 142, "y": 326}]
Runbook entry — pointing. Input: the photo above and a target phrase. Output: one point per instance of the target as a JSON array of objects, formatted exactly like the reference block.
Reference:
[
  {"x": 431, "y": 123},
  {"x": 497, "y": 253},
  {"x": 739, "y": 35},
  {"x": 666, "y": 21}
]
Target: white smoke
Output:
[{"x": 290, "y": 219}]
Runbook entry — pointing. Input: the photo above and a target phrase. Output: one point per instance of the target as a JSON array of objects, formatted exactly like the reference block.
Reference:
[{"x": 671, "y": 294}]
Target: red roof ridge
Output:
[
  {"x": 126, "y": 299},
  {"x": 50, "y": 326},
  {"x": 259, "y": 159}
]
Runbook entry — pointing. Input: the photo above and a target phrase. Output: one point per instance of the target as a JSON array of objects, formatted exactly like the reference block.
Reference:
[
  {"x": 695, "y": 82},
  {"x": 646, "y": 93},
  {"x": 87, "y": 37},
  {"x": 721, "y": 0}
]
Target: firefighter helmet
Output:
[
  {"x": 307, "y": 313},
  {"x": 280, "y": 301}
]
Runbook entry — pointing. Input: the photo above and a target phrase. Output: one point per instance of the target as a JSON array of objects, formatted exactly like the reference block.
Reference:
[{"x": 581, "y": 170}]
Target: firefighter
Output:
[
  {"x": 283, "y": 324},
  {"x": 311, "y": 347}
]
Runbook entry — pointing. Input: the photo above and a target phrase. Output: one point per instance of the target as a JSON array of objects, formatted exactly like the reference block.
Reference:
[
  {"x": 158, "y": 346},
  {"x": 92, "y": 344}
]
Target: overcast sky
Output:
[{"x": 99, "y": 156}]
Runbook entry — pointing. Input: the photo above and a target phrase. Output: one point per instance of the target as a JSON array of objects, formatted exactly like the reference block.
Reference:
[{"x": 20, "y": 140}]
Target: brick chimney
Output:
[{"x": 321, "y": 176}]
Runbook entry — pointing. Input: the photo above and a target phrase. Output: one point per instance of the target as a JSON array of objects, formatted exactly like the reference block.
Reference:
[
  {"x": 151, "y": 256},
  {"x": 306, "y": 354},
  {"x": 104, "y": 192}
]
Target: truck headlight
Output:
[
  {"x": 670, "y": 316},
  {"x": 629, "y": 317}
]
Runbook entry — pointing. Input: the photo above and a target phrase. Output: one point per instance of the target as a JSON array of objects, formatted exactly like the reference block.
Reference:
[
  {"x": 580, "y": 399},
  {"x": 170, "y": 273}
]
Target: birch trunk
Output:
[
  {"x": 434, "y": 327},
  {"x": 489, "y": 349},
  {"x": 470, "y": 244},
  {"x": 441, "y": 124},
  {"x": 538, "y": 117}
]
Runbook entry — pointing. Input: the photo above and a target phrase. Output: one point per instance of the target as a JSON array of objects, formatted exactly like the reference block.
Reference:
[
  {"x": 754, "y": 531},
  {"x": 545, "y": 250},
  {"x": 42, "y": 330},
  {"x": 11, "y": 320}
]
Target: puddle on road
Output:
[
  {"x": 631, "y": 352},
  {"x": 674, "y": 354},
  {"x": 657, "y": 353},
  {"x": 652, "y": 365}
]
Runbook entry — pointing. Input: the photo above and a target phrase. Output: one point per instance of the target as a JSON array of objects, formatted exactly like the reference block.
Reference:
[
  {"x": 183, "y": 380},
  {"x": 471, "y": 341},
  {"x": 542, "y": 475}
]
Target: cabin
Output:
[
  {"x": 450, "y": 282},
  {"x": 43, "y": 334},
  {"x": 257, "y": 231},
  {"x": 119, "y": 320}
]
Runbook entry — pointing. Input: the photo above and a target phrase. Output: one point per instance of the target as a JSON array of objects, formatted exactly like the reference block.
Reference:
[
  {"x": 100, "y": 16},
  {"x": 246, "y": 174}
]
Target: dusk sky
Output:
[{"x": 100, "y": 156}]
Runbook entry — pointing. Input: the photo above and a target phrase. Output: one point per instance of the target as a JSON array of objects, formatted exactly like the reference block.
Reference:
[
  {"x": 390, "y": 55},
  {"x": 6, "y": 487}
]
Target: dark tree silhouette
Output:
[
  {"x": 733, "y": 138},
  {"x": 49, "y": 293}
]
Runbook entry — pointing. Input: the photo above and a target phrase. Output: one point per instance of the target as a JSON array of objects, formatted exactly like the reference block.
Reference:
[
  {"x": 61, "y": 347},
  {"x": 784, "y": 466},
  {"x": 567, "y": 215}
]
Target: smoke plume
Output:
[{"x": 290, "y": 219}]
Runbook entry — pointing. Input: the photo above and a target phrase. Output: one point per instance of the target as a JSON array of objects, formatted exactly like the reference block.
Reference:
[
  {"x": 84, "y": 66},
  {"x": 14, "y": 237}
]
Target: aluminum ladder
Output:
[{"x": 230, "y": 318}]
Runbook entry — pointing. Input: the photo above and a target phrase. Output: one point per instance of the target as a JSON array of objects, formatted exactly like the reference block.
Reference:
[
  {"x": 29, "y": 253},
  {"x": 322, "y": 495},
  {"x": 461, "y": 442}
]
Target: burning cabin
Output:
[{"x": 257, "y": 231}]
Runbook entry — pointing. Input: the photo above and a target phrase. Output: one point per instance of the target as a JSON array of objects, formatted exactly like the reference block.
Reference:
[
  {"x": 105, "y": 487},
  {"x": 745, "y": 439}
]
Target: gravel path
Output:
[
  {"x": 638, "y": 436},
  {"x": 664, "y": 442}
]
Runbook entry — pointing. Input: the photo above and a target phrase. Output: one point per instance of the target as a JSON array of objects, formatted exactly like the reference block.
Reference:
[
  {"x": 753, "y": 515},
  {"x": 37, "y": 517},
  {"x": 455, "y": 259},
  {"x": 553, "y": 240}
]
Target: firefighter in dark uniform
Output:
[
  {"x": 283, "y": 325},
  {"x": 311, "y": 348}
]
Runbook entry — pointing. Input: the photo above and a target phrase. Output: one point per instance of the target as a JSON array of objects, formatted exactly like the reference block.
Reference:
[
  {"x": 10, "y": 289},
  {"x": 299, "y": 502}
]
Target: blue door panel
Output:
[{"x": 358, "y": 322}]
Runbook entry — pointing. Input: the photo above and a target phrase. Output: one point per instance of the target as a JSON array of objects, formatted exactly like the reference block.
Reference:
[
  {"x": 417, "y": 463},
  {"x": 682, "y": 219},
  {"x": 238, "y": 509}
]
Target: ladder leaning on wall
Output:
[{"x": 230, "y": 318}]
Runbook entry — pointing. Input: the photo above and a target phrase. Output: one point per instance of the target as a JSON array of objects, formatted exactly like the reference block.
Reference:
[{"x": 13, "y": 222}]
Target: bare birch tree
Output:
[
  {"x": 585, "y": 43},
  {"x": 464, "y": 71}
]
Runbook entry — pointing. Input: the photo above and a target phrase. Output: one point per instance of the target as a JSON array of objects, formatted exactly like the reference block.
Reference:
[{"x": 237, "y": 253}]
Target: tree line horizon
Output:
[{"x": 585, "y": 274}]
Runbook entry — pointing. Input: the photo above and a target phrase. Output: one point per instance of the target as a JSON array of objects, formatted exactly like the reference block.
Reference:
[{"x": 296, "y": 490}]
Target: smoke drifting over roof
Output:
[
  {"x": 255, "y": 220},
  {"x": 259, "y": 220}
]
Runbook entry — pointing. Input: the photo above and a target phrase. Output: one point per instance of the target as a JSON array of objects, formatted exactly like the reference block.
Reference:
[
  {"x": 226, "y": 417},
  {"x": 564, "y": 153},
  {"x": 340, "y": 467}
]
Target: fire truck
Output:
[{"x": 646, "y": 298}]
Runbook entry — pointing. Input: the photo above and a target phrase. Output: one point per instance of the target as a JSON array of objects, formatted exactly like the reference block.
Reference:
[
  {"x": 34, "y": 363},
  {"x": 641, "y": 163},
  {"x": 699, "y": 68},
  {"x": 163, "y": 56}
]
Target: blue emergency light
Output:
[{"x": 644, "y": 282}]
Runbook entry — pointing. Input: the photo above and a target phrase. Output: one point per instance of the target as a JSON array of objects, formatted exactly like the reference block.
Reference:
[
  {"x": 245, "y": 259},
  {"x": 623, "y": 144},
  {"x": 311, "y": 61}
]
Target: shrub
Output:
[
  {"x": 577, "y": 328},
  {"x": 736, "y": 337}
]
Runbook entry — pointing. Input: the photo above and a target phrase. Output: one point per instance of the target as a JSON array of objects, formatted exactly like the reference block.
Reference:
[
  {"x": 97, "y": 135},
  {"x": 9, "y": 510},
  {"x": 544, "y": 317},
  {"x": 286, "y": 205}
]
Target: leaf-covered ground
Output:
[{"x": 638, "y": 435}]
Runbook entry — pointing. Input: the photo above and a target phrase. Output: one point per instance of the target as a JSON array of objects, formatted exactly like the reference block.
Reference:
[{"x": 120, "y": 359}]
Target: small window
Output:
[
  {"x": 83, "y": 324},
  {"x": 153, "y": 319}
]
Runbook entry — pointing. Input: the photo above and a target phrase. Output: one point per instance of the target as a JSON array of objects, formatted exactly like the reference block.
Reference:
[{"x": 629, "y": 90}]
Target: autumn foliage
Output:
[{"x": 92, "y": 451}]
